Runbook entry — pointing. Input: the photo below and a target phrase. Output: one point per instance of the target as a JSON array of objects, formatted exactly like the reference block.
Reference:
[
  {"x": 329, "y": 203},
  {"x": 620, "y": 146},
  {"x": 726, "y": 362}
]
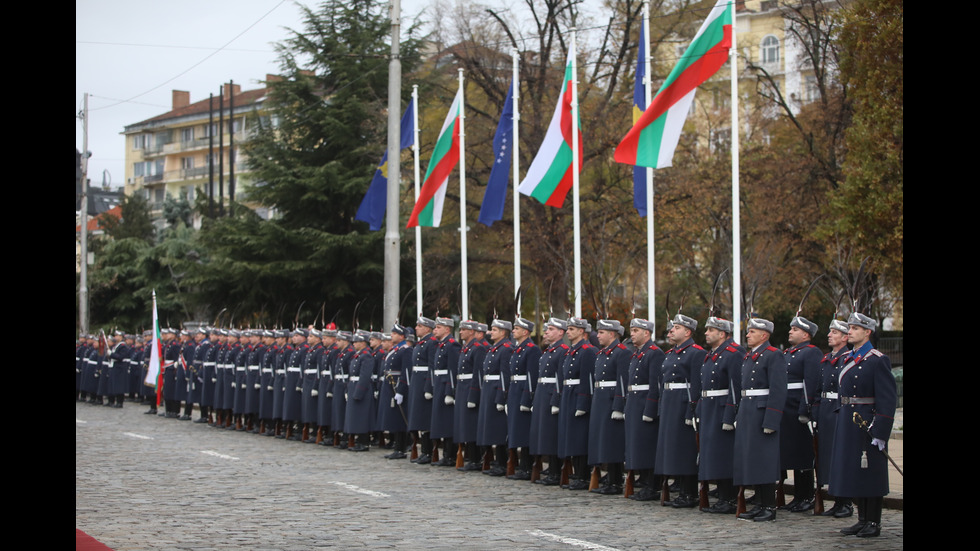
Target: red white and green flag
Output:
[
  {"x": 445, "y": 157},
  {"x": 653, "y": 138},
  {"x": 153, "y": 372},
  {"x": 549, "y": 178}
]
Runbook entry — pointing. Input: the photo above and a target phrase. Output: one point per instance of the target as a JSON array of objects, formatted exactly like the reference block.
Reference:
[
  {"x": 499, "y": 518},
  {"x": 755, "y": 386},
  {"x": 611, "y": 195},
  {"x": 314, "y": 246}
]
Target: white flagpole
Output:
[
  {"x": 736, "y": 223},
  {"x": 651, "y": 271},
  {"x": 418, "y": 229},
  {"x": 464, "y": 277},
  {"x": 517, "y": 178},
  {"x": 577, "y": 233}
]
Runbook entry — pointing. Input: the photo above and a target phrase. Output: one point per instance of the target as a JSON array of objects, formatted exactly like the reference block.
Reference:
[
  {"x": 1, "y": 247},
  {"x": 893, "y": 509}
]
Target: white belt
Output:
[
  {"x": 280, "y": 372},
  {"x": 393, "y": 373},
  {"x": 341, "y": 377},
  {"x": 325, "y": 373},
  {"x": 206, "y": 364},
  {"x": 465, "y": 376},
  {"x": 309, "y": 371},
  {"x": 253, "y": 367},
  {"x": 637, "y": 388},
  {"x": 374, "y": 377},
  {"x": 676, "y": 386},
  {"x": 355, "y": 378},
  {"x": 755, "y": 392},
  {"x": 605, "y": 384},
  {"x": 831, "y": 395},
  {"x": 240, "y": 368},
  {"x": 266, "y": 370},
  {"x": 714, "y": 393},
  {"x": 793, "y": 386},
  {"x": 572, "y": 381},
  {"x": 491, "y": 377},
  {"x": 420, "y": 368},
  {"x": 519, "y": 378},
  {"x": 547, "y": 380},
  {"x": 293, "y": 370},
  {"x": 440, "y": 372}
]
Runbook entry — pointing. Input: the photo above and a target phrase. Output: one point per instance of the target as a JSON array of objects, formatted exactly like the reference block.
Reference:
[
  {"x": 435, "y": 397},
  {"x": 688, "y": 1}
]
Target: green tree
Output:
[{"x": 312, "y": 164}]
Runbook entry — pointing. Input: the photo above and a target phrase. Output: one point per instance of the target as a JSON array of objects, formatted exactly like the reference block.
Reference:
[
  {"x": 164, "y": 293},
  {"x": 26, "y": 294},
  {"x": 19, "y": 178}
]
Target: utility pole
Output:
[
  {"x": 83, "y": 227},
  {"x": 392, "y": 230}
]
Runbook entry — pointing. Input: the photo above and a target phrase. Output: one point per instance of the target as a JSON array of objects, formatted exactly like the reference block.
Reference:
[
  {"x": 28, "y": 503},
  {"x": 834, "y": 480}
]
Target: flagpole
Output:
[
  {"x": 418, "y": 229},
  {"x": 464, "y": 277},
  {"x": 651, "y": 270},
  {"x": 736, "y": 222},
  {"x": 516, "y": 163},
  {"x": 576, "y": 232}
]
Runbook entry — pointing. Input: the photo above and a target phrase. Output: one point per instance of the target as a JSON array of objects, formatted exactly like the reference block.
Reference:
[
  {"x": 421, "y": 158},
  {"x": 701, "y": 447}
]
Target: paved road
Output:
[{"x": 144, "y": 482}]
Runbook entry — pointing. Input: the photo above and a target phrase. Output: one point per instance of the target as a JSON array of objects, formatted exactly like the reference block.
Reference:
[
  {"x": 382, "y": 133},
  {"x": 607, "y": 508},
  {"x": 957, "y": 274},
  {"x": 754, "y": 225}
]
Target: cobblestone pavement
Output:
[{"x": 144, "y": 482}]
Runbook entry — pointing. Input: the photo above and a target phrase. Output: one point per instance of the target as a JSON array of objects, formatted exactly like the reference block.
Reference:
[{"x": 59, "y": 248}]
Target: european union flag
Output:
[{"x": 503, "y": 144}]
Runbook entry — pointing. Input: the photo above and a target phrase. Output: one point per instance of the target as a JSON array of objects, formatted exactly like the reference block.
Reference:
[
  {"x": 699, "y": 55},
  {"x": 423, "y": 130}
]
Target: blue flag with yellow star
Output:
[
  {"x": 496, "y": 194},
  {"x": 375, "y": 202}
]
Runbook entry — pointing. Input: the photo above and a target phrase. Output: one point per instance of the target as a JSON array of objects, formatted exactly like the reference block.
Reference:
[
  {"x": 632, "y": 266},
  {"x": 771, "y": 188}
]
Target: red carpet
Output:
[{"x": 85, "y": 542}]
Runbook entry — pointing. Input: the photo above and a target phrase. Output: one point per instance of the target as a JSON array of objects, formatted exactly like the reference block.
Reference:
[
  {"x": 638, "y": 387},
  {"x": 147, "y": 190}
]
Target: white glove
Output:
[
  {"x": 375, "y": 394},
  {"x": 232, "y": 385},
  {"x": 579, "y": 412},
  {"x": 257, "y": 386},
  {"x": 96, "y": 375},
  {"x": 398, "y": 398},
  {"x": 330, "y": 395},
  {"x": 299, "y": 389},
  {"x": 505, "y": 409},
  {"x": 471, "y": 405},
  {"x": 314, "y": 392},
  {"x": 214, "y": 379},
  {"x": 428, "y": 395},
  {"x": 767, "y": 431},
  {"x": 345, "y": 396},
  {"x": 689, "y": 422},
  {"x": 617, "y": 416},
  {"x": 804, "y": 419},
  {"x": 878, "y": 442},
  {"x": 554, "y": 410},
  {"x": 726, "y": 426},
  {"x": 648, "y": 419},
  {"x": 501, "y": 407},
  {"x": 268, "y": 387},
  {"x": 525, "y": 408},
  {"x": 449, "y": 400}
]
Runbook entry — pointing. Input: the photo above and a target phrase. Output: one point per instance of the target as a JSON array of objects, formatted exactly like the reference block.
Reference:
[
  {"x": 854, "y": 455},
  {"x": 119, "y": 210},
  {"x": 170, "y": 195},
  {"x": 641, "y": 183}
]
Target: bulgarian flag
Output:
[
  {"x": 550, "y": 175},
  {"x": 653, "y": 138},
  {"x": 153, "y": 372},
  {"x": 428, "y": 208}
]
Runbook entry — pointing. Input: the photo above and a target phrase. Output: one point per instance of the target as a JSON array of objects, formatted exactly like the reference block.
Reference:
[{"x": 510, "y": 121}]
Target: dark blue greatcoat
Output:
[
  {"x": 607, "y": 437},
  {"x": 221, "y": 371},
  {"x": 279, "y": 381},
  {"x": 171, "y": 362},
  {"x": 468, "y": 383},
  {"x": 641, "y": 436},
  {"x": 292, "y": 386},
  {"x": 721, "y": 382},
  {"x": 341, "y": 372},
  {"x": 865, "y": 373},
  {"x": 796, "y": 440},
  {"x": 575, "y": 382},
  {"x": 361, "y": 410},
  {"x": 208, "y": 373},
  {"x": 231, "y": 375},
  {"x": 677, "y": 451},
  {"x": 419, "y": 409},
  {"x": 184, "y": 374},
  {"x": 523, "y": 376},
  {"x": 324, "y": 403},
  {"x": 119, "y": 378},
  {"x": 267, "y": 377},
  {"x": 442, "y": 383},
  {"x": 544, "y": 424},
  {"x": 825, "y": 411},
  {"x": 310, "y": 383},
  {"x": 491, "y": 427},
  {"x": 241, "y": 377},
  {"x": 253, "y": 378},
  {"x": 397, "y": 364},
  {"x": 757, "y": 453}
]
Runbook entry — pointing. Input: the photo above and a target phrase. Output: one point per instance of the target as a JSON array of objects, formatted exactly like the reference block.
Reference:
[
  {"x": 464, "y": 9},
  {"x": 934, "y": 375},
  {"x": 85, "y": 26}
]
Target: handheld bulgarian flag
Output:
[
  {"x": 653, "y": 138},
  {"x": 550, "y": 175},
  {"x": 156, "y": 352},
  {"x": 428, "y": 208}
]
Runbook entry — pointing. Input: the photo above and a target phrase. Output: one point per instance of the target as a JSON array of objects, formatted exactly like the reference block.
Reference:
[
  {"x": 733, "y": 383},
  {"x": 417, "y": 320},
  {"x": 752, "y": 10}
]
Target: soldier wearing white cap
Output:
[
  {"x": 802, "y": 384},
  {"x": 468, "y": 384},
  {"x": 825, "y": 413},
  {"x": 523, "y": 376},
  {"x": 642, "y": 411},
  {"x": 607, "y": 430},
  {"x": 492, "y": 423},
  {"x": 574, "y": 401},
  {"x": 544, "y": 422}
]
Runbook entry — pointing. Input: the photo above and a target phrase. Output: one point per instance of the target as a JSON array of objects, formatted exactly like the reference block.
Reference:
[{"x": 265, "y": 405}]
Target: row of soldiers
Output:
[{"x": 582, "y": 403}]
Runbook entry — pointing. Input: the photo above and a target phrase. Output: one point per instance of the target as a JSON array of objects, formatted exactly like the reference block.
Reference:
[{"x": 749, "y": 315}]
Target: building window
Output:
[
  {"x": 186, "y": 163},
  {"x": 186, "y": 135},
  {"x": 142, "y": 141},
  {"x": 811, "y": 92},
  {"x": 770, "y": 50}
]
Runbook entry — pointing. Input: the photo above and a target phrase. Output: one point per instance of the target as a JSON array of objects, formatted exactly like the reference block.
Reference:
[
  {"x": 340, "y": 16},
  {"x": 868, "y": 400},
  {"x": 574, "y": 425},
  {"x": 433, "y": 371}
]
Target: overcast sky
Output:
[{"x": 130, "y": 55}]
